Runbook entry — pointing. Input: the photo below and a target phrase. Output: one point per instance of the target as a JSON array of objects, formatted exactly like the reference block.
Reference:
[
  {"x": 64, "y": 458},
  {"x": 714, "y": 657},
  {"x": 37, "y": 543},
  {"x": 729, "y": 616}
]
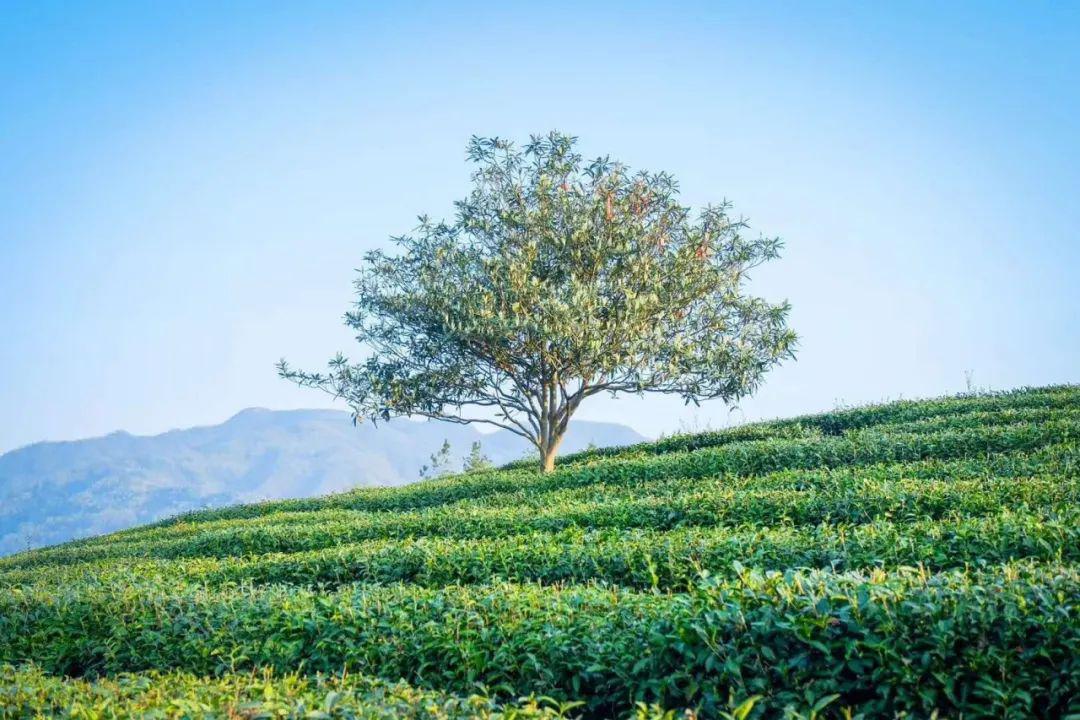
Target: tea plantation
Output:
[{"x": 902, "y": 560}]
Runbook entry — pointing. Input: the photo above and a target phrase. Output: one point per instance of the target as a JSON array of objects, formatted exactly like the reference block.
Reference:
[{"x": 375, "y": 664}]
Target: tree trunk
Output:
[{"x": 547, "y": 454}]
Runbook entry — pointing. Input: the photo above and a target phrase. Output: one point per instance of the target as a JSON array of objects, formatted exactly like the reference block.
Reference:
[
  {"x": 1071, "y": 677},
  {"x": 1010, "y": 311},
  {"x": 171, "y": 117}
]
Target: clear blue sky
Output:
[{"x": 185, "y": 188}]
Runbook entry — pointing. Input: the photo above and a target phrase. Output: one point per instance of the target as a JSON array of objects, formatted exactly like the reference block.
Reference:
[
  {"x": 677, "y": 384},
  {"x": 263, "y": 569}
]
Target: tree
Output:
[
  {"x": 476, "y": 459},
  {"x": 557, "y": 279},
  {"x": 440, "y": 462}
]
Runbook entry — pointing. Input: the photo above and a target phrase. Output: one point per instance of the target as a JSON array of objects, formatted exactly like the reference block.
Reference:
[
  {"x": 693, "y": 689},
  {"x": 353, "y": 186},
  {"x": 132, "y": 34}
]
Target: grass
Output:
[{"x": 905, "y": 559}]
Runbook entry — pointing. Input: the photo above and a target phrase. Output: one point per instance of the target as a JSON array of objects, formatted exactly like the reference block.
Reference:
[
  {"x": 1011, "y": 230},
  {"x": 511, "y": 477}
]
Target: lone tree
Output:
[{"x": 557, "y": 279}]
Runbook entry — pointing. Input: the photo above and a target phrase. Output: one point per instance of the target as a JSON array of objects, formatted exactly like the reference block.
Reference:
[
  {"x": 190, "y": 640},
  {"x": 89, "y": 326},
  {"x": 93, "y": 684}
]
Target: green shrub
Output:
[
  {"x": 913, "y": 559},
  {"x": 27, "y": 692},
  {"x": 905, "y": 641}
]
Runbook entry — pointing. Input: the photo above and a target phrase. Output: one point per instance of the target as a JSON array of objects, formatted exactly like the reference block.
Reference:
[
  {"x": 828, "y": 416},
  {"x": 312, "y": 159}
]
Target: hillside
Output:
[
  {"x": 52, "y": 492},
  {"x": 892, "y": 560}
]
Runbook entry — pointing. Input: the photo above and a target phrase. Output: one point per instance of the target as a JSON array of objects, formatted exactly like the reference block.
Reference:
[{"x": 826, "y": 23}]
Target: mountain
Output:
[{"x": 51, "y": 492}]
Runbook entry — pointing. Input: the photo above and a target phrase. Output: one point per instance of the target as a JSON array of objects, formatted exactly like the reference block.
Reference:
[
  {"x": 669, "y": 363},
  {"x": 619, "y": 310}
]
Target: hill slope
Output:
[
  {"x": 905, "y": 558},
  {"x": 55, "y": 491}
]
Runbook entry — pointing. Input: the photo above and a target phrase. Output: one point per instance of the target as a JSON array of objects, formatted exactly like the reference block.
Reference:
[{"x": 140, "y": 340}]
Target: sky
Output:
[{"x": 186, "y": 188}]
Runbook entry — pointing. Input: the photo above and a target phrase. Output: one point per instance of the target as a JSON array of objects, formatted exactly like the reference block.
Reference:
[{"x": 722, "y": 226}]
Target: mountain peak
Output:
[{"x": 250, "y": 412}]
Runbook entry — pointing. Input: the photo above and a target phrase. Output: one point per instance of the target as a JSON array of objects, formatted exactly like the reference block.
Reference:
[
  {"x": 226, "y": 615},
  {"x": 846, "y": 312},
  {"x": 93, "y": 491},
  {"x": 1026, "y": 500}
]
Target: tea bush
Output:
[
  {"x": 902, "y": 560},
  {"x": 28, "y": 692}
]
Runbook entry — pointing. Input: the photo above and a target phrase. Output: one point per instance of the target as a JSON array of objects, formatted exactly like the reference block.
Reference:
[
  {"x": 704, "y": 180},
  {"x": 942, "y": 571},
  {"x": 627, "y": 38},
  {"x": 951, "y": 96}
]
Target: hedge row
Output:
[
  {"x": 1062, "y": 460},
  {"x": 749, "y": 458},
  {"x": 840, "y": 421},
  {"x": 859, "y": 501},
  {"x": 27, "y": 692},
  {"x": 672, "y": 560},
  {"x": 978, "y": 644}
]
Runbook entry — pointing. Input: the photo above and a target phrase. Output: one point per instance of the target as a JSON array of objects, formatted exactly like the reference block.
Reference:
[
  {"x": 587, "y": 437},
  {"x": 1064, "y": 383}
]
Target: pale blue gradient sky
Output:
[{"x": 185, "y": 189}]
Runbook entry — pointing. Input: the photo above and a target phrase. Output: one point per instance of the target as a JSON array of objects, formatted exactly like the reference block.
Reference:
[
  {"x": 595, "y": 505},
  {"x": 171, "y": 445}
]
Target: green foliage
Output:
[
  {"x": 27, "y": 692},
  {"x": 440, "y": 462},
  {"x": 476, "y": 460},
  {"x": 901, "y": 560},
  {"x": 923, "y": 640},
  {"x": 669, "y": 560},
  {"x": 558, "y": 279}
]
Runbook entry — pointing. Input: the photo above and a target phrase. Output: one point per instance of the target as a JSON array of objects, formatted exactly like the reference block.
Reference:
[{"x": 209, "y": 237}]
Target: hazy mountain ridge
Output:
[{"x": 56, "y": 491}]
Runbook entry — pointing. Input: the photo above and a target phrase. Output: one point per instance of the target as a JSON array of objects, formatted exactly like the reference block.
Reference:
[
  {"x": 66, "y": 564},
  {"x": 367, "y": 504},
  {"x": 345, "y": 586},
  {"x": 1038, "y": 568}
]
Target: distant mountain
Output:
[{"x": 56, "y": 491}]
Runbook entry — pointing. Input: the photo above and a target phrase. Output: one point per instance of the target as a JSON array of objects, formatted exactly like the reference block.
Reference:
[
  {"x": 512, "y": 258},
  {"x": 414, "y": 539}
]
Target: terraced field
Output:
[{"x": 897, "y": 560}]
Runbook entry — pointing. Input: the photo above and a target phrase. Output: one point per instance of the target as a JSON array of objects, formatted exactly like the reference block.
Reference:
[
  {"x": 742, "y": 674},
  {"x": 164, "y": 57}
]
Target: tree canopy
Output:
[{"x": 557, "y": 279}]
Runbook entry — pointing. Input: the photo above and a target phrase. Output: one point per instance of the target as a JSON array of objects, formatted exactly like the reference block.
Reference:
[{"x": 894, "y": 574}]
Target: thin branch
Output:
[{"x": 465, "y": 421}]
